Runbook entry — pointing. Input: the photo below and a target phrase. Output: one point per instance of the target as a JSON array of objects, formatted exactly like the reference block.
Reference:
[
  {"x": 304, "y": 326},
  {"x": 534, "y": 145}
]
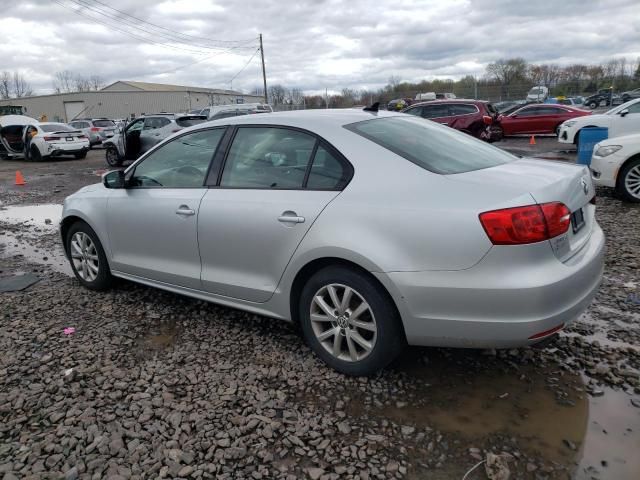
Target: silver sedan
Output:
[{"x": 371, "y": 230}]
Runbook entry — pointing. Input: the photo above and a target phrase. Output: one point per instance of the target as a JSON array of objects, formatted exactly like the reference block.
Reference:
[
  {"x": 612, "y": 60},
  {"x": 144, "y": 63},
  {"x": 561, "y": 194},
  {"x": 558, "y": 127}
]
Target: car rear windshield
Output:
[
  {"x": 103, "y": 123},
  {"x": 433, "y": 147},
  {"x": 190, "y": 121},
  {"x": 56, "y": 127}
]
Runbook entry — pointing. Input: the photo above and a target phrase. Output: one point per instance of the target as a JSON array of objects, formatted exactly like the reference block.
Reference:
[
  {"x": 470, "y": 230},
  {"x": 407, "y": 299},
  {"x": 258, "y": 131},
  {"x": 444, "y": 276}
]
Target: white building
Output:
[{"x": 124, "y": 99}]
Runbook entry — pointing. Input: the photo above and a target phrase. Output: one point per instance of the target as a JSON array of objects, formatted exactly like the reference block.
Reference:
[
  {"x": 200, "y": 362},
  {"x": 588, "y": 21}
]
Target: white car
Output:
[
  {"x": 25, "y": 137},
  {"x": 616, "y": 163},
  {"x": 621, "y": 120}
]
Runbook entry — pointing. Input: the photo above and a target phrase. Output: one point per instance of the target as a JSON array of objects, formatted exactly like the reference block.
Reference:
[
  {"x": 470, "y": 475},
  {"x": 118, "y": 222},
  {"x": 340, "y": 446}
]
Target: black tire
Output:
[
  {"x": 80, "y": 156},
  {"x": 112, "y": 157},
  {"x": 389, "y": 339},
  {"x": 103, "y": 279},
  {"x": 621, "y": 187},
  {"x": 34, "y": 154},
  {"x": 593, "y": 104}
]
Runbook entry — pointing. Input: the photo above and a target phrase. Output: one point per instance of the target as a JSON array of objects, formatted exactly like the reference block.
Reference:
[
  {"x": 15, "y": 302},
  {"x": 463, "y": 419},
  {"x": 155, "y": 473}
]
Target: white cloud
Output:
[{"x": 310, "y": 44}]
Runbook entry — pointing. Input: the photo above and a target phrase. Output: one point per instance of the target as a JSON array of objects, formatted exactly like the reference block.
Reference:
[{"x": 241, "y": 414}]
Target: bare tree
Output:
[
  {"x": 63, "y": 81},
  {"x": 506, "y": 71},
  {"x": 277, "y": 94},
  {"x": 296, "y": 96},
  {"x": 96, "y": 82},
  {"x": 5, "y": 85},
  {"x": 20, "y": 86}
]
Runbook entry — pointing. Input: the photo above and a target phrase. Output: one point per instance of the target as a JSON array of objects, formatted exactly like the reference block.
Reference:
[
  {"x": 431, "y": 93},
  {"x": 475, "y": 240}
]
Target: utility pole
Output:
[
  {"x": 264, "y": 74},
  {"x": 475, "y": 87}
]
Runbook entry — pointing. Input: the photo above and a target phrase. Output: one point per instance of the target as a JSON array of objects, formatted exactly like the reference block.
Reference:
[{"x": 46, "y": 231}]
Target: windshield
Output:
[
  {"x": 103, "y": 123},
  {"x": 433, "y": 147},
  {"x": 56, "y": 127}
]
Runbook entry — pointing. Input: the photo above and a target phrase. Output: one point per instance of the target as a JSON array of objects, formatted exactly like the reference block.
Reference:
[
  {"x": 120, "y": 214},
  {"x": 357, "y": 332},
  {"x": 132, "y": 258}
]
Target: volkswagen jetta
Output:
[{"x": 370, "y": 230}]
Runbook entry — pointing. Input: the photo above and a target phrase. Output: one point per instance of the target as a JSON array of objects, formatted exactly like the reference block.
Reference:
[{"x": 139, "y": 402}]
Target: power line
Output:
[
  {"x": 133, "y": 35},
  {"x": 168, "y": 29},
  {"x": 133, "y": 24},
  {"x": 245, "y": 66}
]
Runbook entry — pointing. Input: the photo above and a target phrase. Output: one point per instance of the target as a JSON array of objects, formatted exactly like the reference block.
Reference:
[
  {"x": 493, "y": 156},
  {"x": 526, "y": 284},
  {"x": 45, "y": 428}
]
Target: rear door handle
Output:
[
  {"x": 185, "y": 210},
  {"x": 290, "y": 218}
]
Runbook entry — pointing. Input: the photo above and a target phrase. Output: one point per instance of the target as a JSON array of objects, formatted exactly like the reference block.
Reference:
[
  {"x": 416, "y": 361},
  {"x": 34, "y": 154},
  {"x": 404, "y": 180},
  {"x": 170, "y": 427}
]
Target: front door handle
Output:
[
  {"x": 290, "y": 217},
  {"x": 185, "y": 210}
]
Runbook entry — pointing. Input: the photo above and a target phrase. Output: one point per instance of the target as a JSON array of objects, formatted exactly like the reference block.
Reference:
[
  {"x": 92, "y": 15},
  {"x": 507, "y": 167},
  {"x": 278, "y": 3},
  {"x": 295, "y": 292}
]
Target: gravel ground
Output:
[{"x": 155, "y": 385}]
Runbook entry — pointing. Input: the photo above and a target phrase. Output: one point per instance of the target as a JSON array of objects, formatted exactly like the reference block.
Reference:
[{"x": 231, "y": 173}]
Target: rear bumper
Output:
[
  {"x": 60, "y": 152},
  {"x": 511, "y": 295}
]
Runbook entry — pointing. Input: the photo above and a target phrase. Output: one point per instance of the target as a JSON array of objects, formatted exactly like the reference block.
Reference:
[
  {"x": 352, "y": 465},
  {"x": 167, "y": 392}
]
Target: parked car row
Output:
[{"x": 481, "y": 120}]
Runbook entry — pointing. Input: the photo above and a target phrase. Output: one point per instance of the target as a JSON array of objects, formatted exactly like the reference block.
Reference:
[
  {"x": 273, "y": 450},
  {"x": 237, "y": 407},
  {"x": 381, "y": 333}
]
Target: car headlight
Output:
[
  {"x": 607, "y": 150},
  {"x": 569, "y": 123}
]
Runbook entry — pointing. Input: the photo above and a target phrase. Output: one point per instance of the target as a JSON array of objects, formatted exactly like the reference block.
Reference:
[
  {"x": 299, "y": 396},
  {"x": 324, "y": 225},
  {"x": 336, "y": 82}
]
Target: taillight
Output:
[
  {"x": 528, "y": 224},
  {"x": 82, "y": 136},
  {"x": 487, "y": 119},
  {"x": 51, "y": 139},
  {"x": 95, "y": 129}
]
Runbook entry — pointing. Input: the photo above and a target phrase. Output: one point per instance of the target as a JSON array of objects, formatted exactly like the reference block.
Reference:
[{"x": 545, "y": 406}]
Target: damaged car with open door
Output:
[
  {"x": 12, "y": 130},
  {"x": 143, "y": 133}
]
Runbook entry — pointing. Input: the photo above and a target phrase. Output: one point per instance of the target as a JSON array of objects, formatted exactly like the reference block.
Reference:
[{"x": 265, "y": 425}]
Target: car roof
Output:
[{"x": 449, "y": 100}]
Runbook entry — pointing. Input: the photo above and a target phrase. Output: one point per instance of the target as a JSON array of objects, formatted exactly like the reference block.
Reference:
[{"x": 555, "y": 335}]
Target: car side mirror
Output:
[
  {"x": 624, "y": 112},
  {"x": 114, "y": 179}
]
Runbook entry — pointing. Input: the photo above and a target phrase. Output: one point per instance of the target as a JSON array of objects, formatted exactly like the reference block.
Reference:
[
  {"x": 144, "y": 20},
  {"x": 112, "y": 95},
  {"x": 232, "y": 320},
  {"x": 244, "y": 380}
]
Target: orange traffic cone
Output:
[
  {"x": 19, "y": 178},
  {"x": 532, "y": 140}
]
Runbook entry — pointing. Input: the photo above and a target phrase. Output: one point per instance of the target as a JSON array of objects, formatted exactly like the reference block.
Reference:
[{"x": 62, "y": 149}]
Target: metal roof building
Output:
[{"x": 124, "y": 99}]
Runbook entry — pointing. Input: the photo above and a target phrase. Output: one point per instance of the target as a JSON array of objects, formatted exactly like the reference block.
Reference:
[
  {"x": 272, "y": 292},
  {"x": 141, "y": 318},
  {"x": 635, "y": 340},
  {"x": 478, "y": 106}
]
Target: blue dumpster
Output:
[{"x": 587, "y": 140}]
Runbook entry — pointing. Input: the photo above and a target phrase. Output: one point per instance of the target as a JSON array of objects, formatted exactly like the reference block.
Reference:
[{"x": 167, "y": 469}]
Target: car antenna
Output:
[{"x": 372, "y": 108}]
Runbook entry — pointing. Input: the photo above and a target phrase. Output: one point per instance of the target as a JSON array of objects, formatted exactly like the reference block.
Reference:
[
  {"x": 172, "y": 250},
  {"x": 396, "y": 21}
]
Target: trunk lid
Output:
[{"x": 546, "y": 181}]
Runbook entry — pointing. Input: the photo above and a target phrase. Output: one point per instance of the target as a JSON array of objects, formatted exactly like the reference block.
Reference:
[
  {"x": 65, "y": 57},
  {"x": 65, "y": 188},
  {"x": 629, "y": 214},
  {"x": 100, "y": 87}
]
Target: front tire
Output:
[
  {"x": 112, "y": 157},
  {"x": 350, "y": 321},
  {"x": 87, "y": 257},
  {"x": 34, "y": 154},
  {"x": 628, "y": 183},
  {"x": 593, "y": 105}
]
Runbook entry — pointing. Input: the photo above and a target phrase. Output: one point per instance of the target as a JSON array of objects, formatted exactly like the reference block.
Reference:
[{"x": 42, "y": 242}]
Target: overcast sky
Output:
[{"x": 311, "y": 44}]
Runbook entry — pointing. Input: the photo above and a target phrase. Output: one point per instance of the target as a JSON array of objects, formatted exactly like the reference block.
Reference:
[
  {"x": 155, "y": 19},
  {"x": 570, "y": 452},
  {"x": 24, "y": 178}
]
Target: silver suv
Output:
[
  {"x": 143, "y": 133},
  {"x": 97, "y": 130}
]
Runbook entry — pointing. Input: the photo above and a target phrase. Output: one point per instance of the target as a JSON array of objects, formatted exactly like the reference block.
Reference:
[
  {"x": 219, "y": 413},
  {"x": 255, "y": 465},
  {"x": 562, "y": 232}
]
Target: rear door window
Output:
[
  {"x": 103, "y": 123},
  {"x": 327, "y": 171},
  {"x": 417, "y": 111},
  {"x": 268, "y": 157},
  {"x": 462, "y": 109},
  {"x": 431, "y": 146},
  {"x": 151, "y": 123},
  {"x": 435, "y": 111}
]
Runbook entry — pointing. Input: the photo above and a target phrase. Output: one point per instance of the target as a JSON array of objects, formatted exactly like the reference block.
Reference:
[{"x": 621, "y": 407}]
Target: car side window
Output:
[
  {"x": 151, "y": 123},
  {"x": 435, "y": 111},
  {"x": 181, "y": 163},
  {"x": 136, "y": 126},
  {"x": 268, "y": 157},
  {"x": 528, "y": 112},
  {"x": 462, "y": 109},
  {"x": 327, "y": 172},
  {"x": 414, "y": 111},
  {"x": 635, "y": 108}
]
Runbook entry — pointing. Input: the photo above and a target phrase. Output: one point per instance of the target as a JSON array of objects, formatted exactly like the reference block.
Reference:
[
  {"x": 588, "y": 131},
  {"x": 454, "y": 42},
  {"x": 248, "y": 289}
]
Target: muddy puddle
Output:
[
  {"x": 162, "y": 337},
  {"x": 545, "y": 412},
  {"x": 31, "y": 231}
]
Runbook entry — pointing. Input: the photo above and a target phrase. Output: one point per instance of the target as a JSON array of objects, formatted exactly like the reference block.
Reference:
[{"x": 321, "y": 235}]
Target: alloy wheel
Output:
[
  {"x": 343, "y": 322},
  {"x": 84, "y": 256},
  {"x": 632, "y": 181}
]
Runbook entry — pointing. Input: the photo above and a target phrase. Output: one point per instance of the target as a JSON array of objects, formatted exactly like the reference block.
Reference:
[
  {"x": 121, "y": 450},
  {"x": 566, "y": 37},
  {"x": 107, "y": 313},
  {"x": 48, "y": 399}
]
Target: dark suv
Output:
[{"x": 475, "y": 117}]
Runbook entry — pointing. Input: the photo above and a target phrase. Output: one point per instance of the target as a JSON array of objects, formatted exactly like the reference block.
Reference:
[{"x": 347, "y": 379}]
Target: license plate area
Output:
[
  {"x": 577, "y": 220},
  {"x": 69, "y": 139}
]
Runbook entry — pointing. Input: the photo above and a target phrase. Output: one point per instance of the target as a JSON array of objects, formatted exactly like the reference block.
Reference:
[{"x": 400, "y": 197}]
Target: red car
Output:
[
  {"x": 475, "y": 117},
  {"x": 538, "y": 118}
]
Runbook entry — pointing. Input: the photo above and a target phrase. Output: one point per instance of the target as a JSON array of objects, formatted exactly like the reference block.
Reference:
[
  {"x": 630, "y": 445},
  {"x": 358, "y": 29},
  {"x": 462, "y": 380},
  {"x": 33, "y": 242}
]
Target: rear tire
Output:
[
  {"x": 593, "y": 105},
  {"x": 34, "y": 154},
  {"x": 357, "y": 336},
  {"x": 112, "y": 157},
  {"x": 87, "y": 257},
  {"x": 628, "y": 182}
]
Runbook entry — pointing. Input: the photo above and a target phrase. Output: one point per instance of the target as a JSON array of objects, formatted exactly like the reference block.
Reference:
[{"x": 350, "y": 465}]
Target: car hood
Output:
[
  {"x": 626, "y": 141},
  {"x": 598, "y": 120}
]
